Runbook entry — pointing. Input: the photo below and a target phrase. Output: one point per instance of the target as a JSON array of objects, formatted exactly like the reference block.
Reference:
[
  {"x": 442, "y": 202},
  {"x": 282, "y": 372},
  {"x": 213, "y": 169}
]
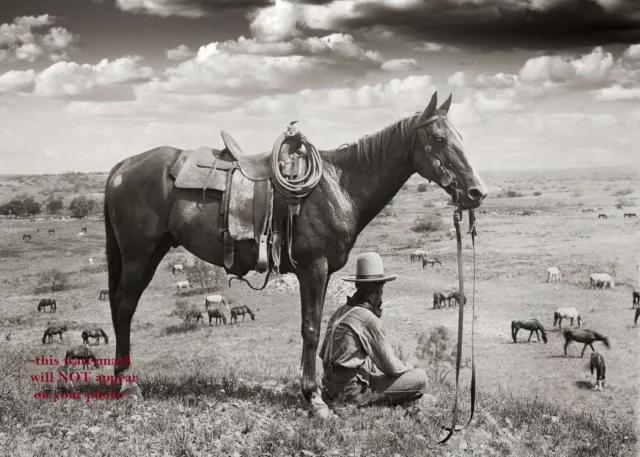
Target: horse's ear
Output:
[
  {"x": 446, "y": 105},
  {"x": 431, "y": 109}
]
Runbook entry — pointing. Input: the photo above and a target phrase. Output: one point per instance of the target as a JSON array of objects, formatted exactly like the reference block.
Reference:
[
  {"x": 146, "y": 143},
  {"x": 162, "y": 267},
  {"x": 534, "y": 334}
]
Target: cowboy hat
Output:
[{"x": 369, "y": 268}]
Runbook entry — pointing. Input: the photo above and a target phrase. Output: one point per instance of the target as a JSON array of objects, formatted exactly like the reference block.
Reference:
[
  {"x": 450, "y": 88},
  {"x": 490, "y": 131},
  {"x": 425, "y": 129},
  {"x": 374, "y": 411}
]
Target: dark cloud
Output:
[{"x": 504, "y": 23}]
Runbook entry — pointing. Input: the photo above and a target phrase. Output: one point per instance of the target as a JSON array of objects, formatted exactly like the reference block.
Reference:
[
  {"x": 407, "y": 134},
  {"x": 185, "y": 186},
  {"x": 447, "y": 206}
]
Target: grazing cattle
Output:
[
  {"x": 602, "y": 216},
  {"x": 82, "y": 353},
  {"x": 96, "y": 333},
  {"x": 630, "y": 215},
  {"x": 215, "y": 300},
  {"x": 566, "y": 313},
  {"x": 418, "y": 254},
  {"x": 104, "y": 294},
  {"x": 90, "y": 261},
  {"x": 182, "y": 285},
  {"x": 532, "y": 325},
  {"x": 51, "y": 303},
  {"x": 26, "y": 237},
  {"x": 588, "y": 337},
  {"x": 84, "y": 230},
  {"x": 601, "y": 278},
  {"x": 217, "y": 315},
  {"x": 597, "y": 362},
  {"x": 241, "y": 311},
  {"x": 177, "y": 269},
  {"x": 56, "y": 330},
  {"x": 51, "y": 231},
  {"x": 553, "y": 274},
  {"x": 438, "y": 300},
  {"x": 636, "y": 299},
  {"x": 81, "y": 235},
  {"x": 433, "y": 261}
]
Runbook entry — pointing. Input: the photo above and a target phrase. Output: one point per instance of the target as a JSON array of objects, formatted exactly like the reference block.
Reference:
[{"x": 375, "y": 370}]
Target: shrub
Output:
[
  {"x": 626, "y": 201},
  {"x": 438, "y": 350},
  {"x": 537, "y": 193},
  {"x": 52, "y": 280},
  {"x": 180, "y": 328},
  {"x": 422, "y": 188},
  {"x": 206, "y": 275},
  {"x": 427, "y": 224},
  {"x": 429, "y": 204},
  {"x": 622, "y": 192}
]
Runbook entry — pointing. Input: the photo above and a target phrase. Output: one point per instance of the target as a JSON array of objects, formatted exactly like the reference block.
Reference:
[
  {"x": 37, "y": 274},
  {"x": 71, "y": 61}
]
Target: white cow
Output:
[
  {"x": 80, "y": 235},
  {"x": 177, "y": 268},
  {"x": 182, "y": 285},
  {"x": 601, "y": 278},
  {"x": 553, "y": 274},
  {"x": 215, "y": 301},
  {"x": 90, "y": 261}
]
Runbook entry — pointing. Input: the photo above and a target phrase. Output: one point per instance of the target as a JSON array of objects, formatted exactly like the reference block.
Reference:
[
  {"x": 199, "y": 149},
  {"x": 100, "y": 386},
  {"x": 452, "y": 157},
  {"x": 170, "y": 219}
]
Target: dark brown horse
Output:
[
  {"x": 241, "y": 311},
  {"x": 216, "y": 314},
  {"x": 583, "y": 336},
  {"x": 96, "y": 333},
  {"x": 82, "y": 353},
  {"x": 532, "y": 325},
  {"x": 104, "y": 293},
  {"x": 49, "y": 332},
  {"x": 193, "y": 314},
  {"x": 597, "y": 362},
  {"x": 358, "y": 180},
  {"x": 50, "y": 302}
]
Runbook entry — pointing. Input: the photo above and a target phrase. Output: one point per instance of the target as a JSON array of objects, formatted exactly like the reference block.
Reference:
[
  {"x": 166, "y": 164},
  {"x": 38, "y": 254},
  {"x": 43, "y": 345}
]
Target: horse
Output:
[
  {"x": 532, "y": 325},
  {"x": 216, "y": 314},
  {"x": 630, "y": 215},
  {"x": 357, "y": 181},
  {"x": 177, "y": 268},
  {"x": 602, "y": 216},
  {"x": 49, "y": 332},
  {"x": 80, "y": 235},
  {"x": 104, "y": 294},
  {"x": 438, "y": 300},
  {"x": 566, "y": 313},
  {"x": 453, "y": 295},
  {"x": 94, "y": 333},
  {"x": 601, "y": 278},
  {"x": 182, "y": 285},
  {"x": 51, "y": 231},
  {"x": 8, "y": 336},
  {"x": 26, "y": 237},
  {"x": 583, "y": 336},
  {"x": 193, "y": 314},
  {"x": 51, "y": 303},
  {"x": 84, "y": 230},
  {"x": 90, "y": 261},
  {"x": 418, "y": 254},
  {"x": 241, "y": 311},
  {"x": 553, "y": 274},
  {"x": 80, "y": 352},
  {"x": 215, "y": 300},
  {"x": 433, "y": 261},
  {"x": 597, "y": 361},
  {"x": 635, "y": 319},
  {"x": 636, "y": 298}
]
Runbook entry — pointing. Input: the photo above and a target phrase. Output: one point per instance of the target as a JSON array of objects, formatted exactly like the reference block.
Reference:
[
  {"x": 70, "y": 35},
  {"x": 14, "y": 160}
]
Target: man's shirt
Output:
[{"x": 358, "y": 336}]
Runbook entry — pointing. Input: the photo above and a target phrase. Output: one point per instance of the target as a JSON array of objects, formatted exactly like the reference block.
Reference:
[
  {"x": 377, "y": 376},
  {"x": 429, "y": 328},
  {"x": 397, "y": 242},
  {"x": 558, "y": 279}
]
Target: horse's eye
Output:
[{"x": 439, "y": 139}]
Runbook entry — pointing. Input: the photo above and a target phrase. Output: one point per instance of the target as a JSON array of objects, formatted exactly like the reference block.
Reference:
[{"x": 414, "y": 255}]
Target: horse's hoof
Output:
[
  {"x": 132, "y": 391},
  {"x": 322, "y": 412}
]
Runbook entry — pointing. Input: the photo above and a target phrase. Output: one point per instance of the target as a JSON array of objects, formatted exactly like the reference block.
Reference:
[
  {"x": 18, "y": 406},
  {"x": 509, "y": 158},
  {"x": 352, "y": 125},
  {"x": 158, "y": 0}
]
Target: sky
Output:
[{"x": 536, "y": 84}]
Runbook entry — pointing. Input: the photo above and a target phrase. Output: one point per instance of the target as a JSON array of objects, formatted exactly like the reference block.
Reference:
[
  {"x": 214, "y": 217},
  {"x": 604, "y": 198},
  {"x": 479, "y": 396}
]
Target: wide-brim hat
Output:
[{"x": 369, "y": 268}]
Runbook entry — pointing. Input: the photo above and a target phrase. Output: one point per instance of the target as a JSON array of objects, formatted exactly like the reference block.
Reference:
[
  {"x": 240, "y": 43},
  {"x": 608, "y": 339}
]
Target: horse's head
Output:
[
  {"x": 438, "y": 155},
  {"x": 544, "y": 336},
  {"x": 605, "y": 340},
  {"x": 106, "y": 338}
]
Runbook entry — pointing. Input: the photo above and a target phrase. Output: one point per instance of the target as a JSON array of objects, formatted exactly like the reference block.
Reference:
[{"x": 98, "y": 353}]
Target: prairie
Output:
[{"x": 233, "y": 389}]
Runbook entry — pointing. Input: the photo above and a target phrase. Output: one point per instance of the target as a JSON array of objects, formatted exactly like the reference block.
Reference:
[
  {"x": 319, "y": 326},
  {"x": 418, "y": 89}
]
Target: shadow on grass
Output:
[{"x": 586, "y": 385}]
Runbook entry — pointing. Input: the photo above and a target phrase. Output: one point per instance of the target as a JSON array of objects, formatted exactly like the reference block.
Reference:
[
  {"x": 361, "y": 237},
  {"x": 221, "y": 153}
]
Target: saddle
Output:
[{"x": 250, "y": 208}]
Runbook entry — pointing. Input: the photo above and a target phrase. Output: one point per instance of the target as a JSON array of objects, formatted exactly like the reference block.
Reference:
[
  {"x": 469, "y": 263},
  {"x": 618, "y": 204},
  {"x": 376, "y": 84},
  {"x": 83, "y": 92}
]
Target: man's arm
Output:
[{"x": 376, "y": 345}]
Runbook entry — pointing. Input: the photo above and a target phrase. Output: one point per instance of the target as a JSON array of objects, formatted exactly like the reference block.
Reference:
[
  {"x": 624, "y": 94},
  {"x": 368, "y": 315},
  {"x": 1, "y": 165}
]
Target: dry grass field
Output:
[{"x": 233, "y": 389}]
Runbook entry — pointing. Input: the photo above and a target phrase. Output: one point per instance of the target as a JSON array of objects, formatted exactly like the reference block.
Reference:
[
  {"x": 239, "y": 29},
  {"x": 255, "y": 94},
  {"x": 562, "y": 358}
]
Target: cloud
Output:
[
  {"x": 17, "y": 81},
  {"x": 632, "y": 52},
  {"x": 400, "y": 65},
  {"x": 19, "y": 40},
  {"x": 182, "y": 52},
  {"x": 69, "y": 79},
  {"x": 435, "y": 47},
  {"x": 480, "y": 81},
  {"x": 190, "y": 9},
  {"x": 617, "y": 93},
  {"x": 275, "y": 23}
]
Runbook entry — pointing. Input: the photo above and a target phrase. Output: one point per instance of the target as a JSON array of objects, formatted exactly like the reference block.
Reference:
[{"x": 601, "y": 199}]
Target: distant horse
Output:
[
  {"x": 566, "y": 313},
  {"x": 8, "y": 336},
  {"x": 51, "y": 231},
  {"x": 26, "y": 237},
  {"x": 553, "y": 274},
  {"x": 216, "y": 314},
  {"x": 597, "y": 362},
  {"x": 635, "y": 320},
  {"x": 433, "y": 261},
  {"x": 96, "y": 333},
  {"x": 438, "y": 300},
  {"x": 80, "y": 235},
  {"x": 193, "y": 314},
  {"x": 630, "y": 215},
  {"x": 215, "y": 300},
  {"x": 636, "y": 298},
  {"x": 182, "y": 285},
  {"x": 90, "y": 261},
  {"x": 48, "y": 333},
  {"x": 532, "y": 325},
  {"x": 241, "y": 311},
  {"x": 177, "y": 268},
  {"x": 453, "y": 295},
  {"x": 84, "y": 230},
  {"x": 104, "y": 294},
  {"x": 583, "y": 336},
  {"x": 601, "y": 278},
  {"x": 602, "y": 216},
  {"x": 83, "y": 353},
  {"x": 51, "y": 303},
  {"x": 418, "y": 254}
]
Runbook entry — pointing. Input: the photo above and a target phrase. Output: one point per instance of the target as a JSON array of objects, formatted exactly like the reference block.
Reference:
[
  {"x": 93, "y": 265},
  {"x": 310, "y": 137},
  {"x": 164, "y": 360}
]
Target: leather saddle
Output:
[{"x": 256, "y": 167}]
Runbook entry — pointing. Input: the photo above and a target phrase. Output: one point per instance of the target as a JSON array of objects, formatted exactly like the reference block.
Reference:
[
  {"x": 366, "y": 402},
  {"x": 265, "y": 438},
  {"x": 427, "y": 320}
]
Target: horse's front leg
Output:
[
  {"x": 313, "y": 279},
  {"x": 565, "y": 347},
  {"x": 530, "y": 335}
]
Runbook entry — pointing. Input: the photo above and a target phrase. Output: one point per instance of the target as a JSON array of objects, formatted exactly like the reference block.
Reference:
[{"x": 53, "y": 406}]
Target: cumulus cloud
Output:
[
  {"x": 20, "y": 40},
  {"x": 275, "y": 23},
  {"x": 435, "y": 47},
  {"x": 617, "y": 93},
  {"x": 17, "y": 81},
  {"x": 400, "y": 65},
  {"x": 182, "y": 52},
  {"x": 191, "y": 9},
  {"x": 632, "y": 52},
  {"x": 481, "y": 81}
]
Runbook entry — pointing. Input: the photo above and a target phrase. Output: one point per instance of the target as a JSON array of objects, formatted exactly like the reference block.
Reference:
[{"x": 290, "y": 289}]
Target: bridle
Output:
[{"x": 446, "y": 178}]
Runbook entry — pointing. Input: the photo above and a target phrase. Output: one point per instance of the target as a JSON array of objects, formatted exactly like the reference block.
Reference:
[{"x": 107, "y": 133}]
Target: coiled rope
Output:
[{"x": 300, "y": 187}]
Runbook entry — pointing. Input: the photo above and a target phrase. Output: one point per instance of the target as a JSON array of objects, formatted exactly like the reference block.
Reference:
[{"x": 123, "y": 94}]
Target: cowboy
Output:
[{"x": 359, "y": 363}]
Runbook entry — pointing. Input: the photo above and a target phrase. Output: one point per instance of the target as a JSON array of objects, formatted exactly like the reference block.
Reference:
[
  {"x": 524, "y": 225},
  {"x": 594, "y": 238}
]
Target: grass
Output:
[{"x": 234, "y": 390}]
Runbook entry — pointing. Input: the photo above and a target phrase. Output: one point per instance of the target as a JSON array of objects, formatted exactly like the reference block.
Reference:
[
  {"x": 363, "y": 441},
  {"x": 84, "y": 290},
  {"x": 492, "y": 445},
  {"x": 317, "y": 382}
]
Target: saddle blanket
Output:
[
  {"x": 241, "y": 211},
  {"x": 193, "y": 169}
]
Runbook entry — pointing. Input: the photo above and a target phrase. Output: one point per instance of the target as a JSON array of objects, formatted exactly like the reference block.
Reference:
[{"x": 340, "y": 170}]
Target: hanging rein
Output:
[{"x": 447, "y": 179}]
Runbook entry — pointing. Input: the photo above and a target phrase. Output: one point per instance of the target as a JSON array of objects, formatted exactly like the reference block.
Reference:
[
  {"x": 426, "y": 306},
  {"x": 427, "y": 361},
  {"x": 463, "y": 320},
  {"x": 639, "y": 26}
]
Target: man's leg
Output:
[{"x": 390, "y": 390}]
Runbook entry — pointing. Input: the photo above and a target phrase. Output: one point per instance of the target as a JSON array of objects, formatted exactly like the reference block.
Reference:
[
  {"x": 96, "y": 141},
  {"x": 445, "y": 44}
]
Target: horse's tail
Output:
[{"x": 114, "y": 257}]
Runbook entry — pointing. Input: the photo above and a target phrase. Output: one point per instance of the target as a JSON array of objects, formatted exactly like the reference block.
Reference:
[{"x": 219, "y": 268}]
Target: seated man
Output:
[{"x": 359, "y": 364}]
